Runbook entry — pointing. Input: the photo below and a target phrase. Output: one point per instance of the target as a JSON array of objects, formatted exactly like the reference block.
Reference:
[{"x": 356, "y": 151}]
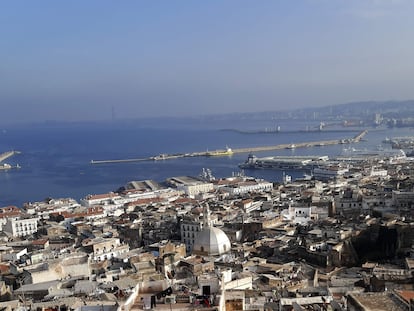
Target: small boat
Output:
[{"x": 6, "y": 166}]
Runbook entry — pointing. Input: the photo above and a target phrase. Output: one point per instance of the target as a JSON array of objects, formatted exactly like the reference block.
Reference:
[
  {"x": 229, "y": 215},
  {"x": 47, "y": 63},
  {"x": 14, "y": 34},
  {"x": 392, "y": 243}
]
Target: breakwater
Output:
[
  {"x": 281, "y": 132},
  {"x": 228, "y": 152},
  {"x": 7, "y": 154}
]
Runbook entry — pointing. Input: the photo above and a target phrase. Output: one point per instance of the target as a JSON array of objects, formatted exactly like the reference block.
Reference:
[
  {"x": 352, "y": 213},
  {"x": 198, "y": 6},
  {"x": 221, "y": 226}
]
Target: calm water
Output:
[{"x": 55, "y": 159}]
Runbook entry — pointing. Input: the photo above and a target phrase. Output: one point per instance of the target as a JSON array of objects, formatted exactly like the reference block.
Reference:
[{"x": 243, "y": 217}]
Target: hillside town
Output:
[{"x": 342, "y": 239}]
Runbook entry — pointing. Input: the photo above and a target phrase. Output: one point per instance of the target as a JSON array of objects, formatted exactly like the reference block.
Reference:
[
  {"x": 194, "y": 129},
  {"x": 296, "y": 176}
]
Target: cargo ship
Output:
[{"x": 220, "y": 153}]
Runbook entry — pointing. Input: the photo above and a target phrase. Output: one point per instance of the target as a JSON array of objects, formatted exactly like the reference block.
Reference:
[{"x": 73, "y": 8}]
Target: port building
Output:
[
  {"x": 190, "y": 186},
  {"x": 241, "y": 185}
]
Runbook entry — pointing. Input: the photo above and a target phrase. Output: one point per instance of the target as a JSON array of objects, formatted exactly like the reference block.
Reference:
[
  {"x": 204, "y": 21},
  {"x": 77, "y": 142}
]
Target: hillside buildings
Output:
[{"x": 340, "y": 243}]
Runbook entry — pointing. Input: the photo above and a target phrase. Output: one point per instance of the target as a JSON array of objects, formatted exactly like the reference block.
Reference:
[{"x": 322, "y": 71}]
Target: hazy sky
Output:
[{"x": 75, "y": 60}]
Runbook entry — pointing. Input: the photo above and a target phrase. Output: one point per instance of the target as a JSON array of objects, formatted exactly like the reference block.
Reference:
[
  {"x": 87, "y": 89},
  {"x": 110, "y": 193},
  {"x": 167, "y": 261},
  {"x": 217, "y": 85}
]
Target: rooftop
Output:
[{"x": 384, "y": 301}]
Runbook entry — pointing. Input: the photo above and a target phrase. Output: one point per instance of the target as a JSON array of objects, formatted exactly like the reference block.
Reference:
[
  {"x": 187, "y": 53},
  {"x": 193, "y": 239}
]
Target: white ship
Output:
[
  {"x": 284, "y": 162},
  {"x": 352, "y": 154}
]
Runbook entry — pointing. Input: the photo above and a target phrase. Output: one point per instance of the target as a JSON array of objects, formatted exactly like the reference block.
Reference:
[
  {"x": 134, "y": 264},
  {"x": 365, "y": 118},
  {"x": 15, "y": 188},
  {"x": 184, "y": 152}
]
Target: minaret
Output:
[{"x": 206, "y": 216}]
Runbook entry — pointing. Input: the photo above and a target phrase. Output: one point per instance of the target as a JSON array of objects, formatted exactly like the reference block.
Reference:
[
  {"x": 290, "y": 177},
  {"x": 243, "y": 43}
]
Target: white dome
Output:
[{"x": 211, "y": 241}]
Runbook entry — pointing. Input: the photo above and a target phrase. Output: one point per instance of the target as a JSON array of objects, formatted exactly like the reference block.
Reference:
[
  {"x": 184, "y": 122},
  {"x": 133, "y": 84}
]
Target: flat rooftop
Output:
[
  {"x": 185, "y": 180},
  {"x": 378, "y": 301}
]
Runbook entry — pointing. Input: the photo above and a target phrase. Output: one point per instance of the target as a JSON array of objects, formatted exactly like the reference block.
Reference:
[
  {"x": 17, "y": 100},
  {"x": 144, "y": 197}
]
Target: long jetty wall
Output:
[
  {"x": 8, "y": 154},
  {"x": 355, "y": 139}
]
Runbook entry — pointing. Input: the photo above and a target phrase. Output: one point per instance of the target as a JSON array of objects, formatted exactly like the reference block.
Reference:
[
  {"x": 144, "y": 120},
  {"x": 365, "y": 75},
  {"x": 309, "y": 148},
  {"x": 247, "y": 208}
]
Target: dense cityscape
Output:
[{"x": 340, "y": 238}]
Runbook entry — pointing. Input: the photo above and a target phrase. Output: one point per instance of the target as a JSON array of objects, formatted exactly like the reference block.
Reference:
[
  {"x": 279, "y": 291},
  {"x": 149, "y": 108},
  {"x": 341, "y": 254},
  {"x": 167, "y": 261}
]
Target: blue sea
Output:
[{"x": 55, "y": 157}]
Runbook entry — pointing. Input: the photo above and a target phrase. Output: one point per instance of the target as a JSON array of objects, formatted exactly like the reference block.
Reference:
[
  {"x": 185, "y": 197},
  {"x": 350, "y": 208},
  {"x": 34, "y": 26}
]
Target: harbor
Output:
[
  {"x": 229, "y": 151},
  {"x": 6, "y": 155}
]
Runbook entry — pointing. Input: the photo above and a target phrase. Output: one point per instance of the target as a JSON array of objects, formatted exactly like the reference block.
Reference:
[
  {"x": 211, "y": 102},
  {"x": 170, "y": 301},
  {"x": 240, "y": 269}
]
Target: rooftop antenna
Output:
[{"x": 206, "y": 215}]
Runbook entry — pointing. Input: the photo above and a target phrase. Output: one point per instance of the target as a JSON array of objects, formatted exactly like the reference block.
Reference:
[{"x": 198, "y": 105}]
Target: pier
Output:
[
  {"x": 277, "y": 131},
  {"x": 358, "y": 137},
  {"x": 355, "y": 139},
  {"x": 7, "y": 154}
]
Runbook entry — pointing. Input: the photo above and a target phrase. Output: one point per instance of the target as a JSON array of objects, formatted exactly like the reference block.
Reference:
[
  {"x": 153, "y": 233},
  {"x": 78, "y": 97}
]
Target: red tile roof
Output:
[
  {"x": 9, "y": 211},
  {"x": 40, "y": 242},
  {"x": 407, "y": 295}
]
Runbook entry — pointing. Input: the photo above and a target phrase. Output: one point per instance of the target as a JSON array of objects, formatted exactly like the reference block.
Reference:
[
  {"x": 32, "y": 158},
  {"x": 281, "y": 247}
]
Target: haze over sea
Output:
[{"x": 55, "y": 157}]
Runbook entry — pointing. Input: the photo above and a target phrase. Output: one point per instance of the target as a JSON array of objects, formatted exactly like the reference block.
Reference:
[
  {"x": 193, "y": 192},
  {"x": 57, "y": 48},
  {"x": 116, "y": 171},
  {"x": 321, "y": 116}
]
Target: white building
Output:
[
  {"x": 190, "y": 186},
  {"x": 44, "y": 208},
  {"x": 300, "y": 215},
  {"x": 329, "y": 172},
  {"x": 106, "y": 248},
  {"x": 246, "y": 186},
  {"x": 19, "y": 227},
  {"x": 196, "y": 188},
  {"x": 189, "y": 231},
  {"x": 99, "y": 199},
  {"x": 378, "y": 172}
]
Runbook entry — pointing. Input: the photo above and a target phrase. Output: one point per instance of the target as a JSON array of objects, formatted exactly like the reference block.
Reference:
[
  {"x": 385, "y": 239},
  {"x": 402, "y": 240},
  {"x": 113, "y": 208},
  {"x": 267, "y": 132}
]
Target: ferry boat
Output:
[{"x": 284, "y": 162}]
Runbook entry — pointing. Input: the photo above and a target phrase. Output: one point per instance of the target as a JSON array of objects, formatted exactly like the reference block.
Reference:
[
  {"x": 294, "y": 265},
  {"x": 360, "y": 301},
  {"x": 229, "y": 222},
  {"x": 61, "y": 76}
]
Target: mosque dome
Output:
[{"x": 211, "y": 242}]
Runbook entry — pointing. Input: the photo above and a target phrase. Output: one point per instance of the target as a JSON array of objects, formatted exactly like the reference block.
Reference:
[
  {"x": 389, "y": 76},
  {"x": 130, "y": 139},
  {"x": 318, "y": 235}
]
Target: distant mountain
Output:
[
  {"x": 365, "y": 108},
  {"x": 355, "y": 110},
  {"x": 390, "y": 111}
]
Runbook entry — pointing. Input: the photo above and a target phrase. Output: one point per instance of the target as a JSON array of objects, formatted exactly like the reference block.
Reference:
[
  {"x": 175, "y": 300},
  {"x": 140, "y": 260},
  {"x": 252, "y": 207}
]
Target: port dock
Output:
[
  {"x": 8, "y": 154},
  {"x": 225, "y": 152},
  {"x": 277, "y": 131}
]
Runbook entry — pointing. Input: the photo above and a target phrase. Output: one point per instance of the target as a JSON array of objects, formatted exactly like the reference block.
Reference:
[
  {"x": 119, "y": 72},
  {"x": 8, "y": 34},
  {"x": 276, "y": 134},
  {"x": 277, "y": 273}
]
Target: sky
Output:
[{"x": 83, "y": 60}]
